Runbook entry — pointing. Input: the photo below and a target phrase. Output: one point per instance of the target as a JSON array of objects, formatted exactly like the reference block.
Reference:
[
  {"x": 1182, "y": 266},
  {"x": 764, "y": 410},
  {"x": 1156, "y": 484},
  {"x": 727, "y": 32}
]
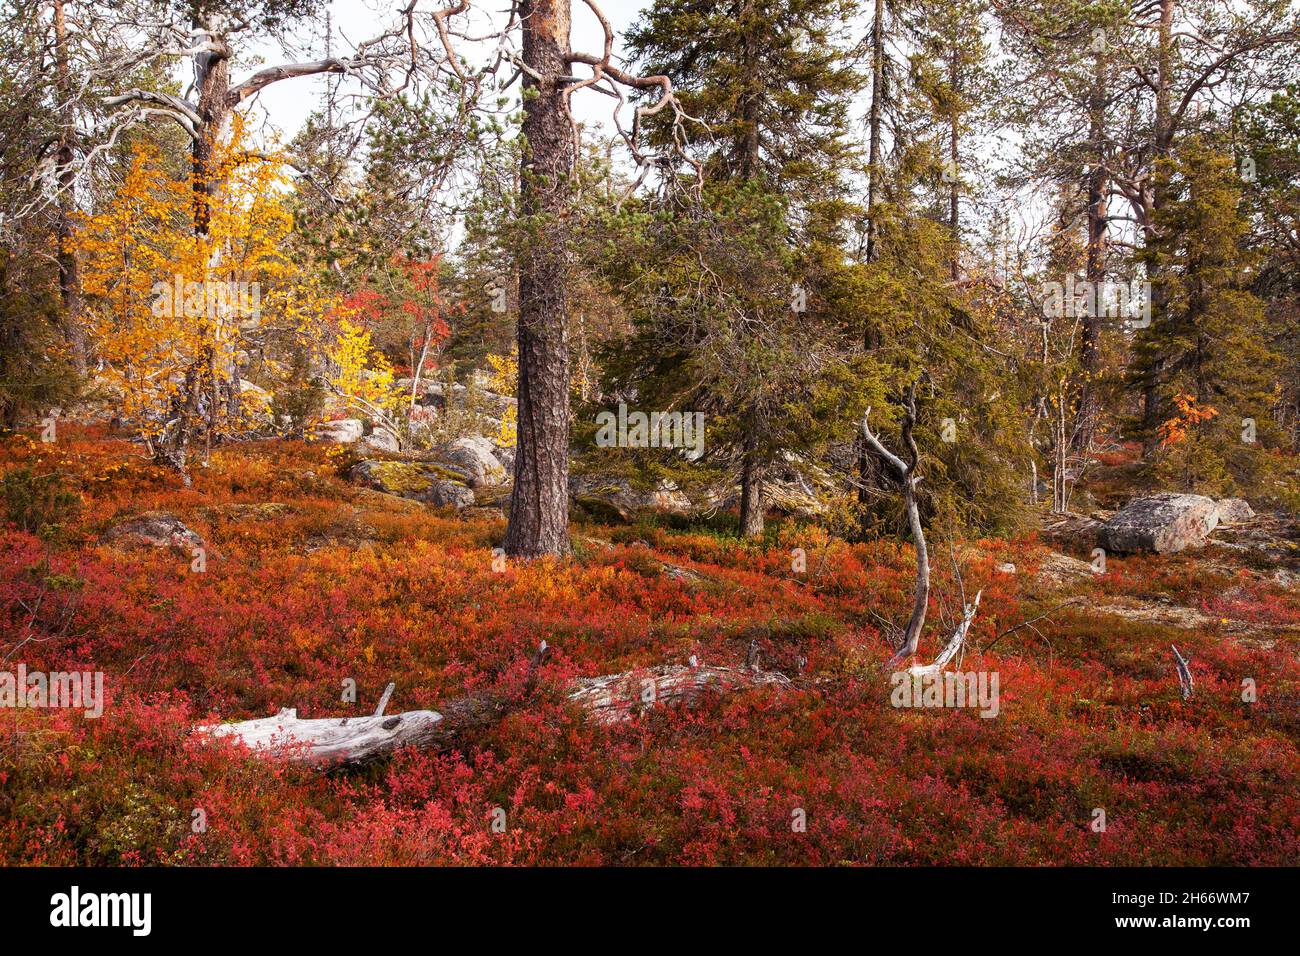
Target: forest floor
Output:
[{"x": 310, "y": 582}]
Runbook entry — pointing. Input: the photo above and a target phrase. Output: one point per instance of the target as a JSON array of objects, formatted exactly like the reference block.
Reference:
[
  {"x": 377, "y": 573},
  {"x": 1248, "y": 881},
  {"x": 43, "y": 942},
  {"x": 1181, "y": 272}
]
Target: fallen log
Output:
[
  {"x": 356, "y": 741},
  {"x": 617, "y": 697},
  {"x": 333, "y": 742}
]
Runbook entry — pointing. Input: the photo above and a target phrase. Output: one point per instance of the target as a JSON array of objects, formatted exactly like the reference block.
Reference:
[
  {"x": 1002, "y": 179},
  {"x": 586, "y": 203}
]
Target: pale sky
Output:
[{"x": 286, "y": 105}]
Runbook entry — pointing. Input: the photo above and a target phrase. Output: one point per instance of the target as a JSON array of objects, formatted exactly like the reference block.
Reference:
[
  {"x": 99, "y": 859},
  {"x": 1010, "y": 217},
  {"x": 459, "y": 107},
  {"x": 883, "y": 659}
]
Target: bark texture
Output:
[{"x": 539, "y": 507}]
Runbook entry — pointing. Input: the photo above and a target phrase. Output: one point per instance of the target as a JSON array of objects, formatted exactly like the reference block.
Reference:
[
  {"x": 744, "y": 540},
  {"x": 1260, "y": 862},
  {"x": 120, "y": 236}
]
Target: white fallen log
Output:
[{"x": 331, "y": 740}]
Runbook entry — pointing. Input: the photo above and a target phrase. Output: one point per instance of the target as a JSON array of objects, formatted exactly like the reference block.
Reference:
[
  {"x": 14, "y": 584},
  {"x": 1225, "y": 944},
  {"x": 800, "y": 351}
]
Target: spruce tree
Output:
[
  {"x": 770, "y": 86},
  {"x": 1206, "y": 357}
]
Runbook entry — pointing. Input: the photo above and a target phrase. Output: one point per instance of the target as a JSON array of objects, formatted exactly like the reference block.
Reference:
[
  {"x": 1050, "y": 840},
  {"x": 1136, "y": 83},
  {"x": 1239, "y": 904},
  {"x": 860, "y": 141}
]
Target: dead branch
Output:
[
  {"x": 1031, "y": 621},
  {"x": 954, "y": 644},
  {"x": 905, "y": 473},
  {"x": 1184, "y": 673}
]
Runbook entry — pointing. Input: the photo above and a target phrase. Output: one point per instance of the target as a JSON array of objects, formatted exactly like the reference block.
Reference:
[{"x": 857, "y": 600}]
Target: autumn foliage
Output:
[
  {"x": 1189, "y": 416},
  {"x": 172, "y": 309}
]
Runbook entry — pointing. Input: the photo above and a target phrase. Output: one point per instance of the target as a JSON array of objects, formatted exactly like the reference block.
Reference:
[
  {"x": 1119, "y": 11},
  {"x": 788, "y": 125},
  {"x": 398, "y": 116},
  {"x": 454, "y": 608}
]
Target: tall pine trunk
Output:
[
  {"x": 870, "y": 477},
  {"x": 1088, "y": 398},
  {"x": 69, "y": 288},
  {"x": 539, "y": 507},
  {"x": 1163, "y": 142},
  {"x": 749, "y": 168},
  {"x": 212, "y": 79},
  {"x": 873, "y": 122},
  {"x": 954, "y": 165},
  {"x": 197, "y": 399}
]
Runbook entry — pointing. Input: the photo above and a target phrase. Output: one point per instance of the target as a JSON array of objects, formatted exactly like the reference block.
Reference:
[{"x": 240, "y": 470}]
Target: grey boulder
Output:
[
  {"x": 1161, "y": 524},
  {"x": 342, "y": 431},
  {"x": 153, "y": 529}
]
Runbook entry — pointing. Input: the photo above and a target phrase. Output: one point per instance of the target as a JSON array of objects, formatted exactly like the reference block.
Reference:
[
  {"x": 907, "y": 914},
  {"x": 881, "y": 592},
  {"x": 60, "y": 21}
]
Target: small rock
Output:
[
  {"x": 1163, "y": 524},
  {"x": 1007, "y": 568},
  {"x": 1235, "y": 510},
  {"x": 153, "y": 529},
  {"x": 341, "y": 431}
]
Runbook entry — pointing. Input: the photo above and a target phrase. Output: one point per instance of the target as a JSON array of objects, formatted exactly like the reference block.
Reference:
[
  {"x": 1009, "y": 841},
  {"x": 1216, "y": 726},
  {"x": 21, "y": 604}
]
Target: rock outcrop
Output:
[{"x": 476, "y": 457}]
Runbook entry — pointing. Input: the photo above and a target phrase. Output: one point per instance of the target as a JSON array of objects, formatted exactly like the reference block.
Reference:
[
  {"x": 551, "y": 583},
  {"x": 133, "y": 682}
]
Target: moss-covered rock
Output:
[
  {"x": 611, "y": 500},
  {"x": 420, "y": 481}
]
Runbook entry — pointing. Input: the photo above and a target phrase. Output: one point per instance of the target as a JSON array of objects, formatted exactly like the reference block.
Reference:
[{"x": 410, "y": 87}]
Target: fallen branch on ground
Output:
[{"x": 1032, "y": 620}]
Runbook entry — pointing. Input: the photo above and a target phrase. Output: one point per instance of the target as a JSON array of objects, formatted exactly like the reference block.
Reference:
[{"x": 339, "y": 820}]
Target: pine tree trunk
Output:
[
  {"x": 954, "y": 170},
  {"x": 69, "y": 288},
  {"x": 212, "y": 77},
  {"x": 539, "y": 506},
  {"x": 869, "y": 475},
  {"x": 1088, "y": 399},
  {"x": 195, "y": 402},
  {"x": 751, "y": 494},
  {"x": 1163, "y": 136},
  {"x": 873, "y": 145}
]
